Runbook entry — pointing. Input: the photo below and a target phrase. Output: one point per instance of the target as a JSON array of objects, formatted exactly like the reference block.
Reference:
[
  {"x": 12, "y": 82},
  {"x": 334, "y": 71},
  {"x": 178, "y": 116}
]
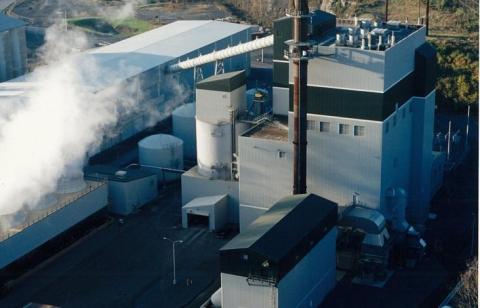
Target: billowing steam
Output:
[{"x": 63, "y": 117}]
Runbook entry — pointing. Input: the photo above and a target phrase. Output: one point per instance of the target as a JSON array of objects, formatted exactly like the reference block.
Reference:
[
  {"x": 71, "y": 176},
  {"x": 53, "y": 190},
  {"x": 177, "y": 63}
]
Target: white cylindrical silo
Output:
[
  {"x": 216, "y": 298},
  {"x": 214, "y": 149},
  {"x": 183, "y": 123},
  {"x": 162, "y": 151}
]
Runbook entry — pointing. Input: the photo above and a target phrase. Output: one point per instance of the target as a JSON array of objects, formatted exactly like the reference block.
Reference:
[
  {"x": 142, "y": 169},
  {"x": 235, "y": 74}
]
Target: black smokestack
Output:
[{"x": 299, "y": 56}]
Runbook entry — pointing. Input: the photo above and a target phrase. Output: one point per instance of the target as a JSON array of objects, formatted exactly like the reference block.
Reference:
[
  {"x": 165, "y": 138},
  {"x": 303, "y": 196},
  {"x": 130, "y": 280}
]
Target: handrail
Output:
[{"x": 52, "y": 210}]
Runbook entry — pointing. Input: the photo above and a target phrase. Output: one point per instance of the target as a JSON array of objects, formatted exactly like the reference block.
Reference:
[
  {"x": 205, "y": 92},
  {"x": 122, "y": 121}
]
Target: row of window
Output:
[{"x": 343, "y": 129}]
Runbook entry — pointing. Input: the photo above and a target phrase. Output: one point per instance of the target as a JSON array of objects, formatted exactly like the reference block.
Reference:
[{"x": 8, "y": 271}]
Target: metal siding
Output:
[
  {"x": 280, "y": 74},
  {"x": 400, "y": 59},
  {"x": 425, "y": 70},
  {"x": 264, "y": 177},
  {"x": 125, "y": 197},
  {"x": 396, "y": 154},
  {"x": 421, "y": 167},
  {"x": 358, "y": 104},
  {"x": 309, "y": 282},
  {"x": 44, "y": 230},
  {"x": 282, "y": 31},
  {"x": 194, "y": 186},
  {"x": 340, "y": 165},
  {"x": 236, "y": 293},
  {"x": 248, "y": 214},
  {"x": 280, "y": 100}
]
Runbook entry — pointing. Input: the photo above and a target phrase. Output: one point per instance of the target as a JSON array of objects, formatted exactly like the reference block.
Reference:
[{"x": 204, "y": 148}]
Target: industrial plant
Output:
[{"x": 329, "y": 169}]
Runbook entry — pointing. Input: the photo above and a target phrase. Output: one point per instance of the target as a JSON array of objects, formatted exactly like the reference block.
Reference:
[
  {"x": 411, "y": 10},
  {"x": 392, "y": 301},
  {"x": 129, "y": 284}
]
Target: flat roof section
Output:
[
  {"x": 276, "y": 129},
  {"x": 116, "y": 174}
]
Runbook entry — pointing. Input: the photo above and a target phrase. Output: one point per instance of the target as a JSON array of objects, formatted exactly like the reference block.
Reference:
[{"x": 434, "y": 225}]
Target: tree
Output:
[{"x": 467, "y": 295}]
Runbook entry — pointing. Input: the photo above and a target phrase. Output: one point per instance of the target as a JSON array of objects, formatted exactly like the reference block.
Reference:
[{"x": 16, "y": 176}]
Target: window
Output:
[
  {"x": 344, "y": 129},
  {"x": 410, "y": 107},
  {"x": 394, "y": 120},
  {"x": 311, "y": 125},
  {"x": 387, "y": 127},
  {"x": 395, "y": 162},
  {"x": 404, "y": 112},
  {"x": 324, "y": 127},
  {"x": 281, "y": 154},
  {"x": 359, "y": 130}
]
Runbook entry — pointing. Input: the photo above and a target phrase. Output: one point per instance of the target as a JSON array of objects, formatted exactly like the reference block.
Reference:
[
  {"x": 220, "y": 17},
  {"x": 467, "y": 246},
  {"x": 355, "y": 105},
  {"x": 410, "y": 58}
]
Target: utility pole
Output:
[
  {"x": 173, "y": 256},
  {"x": 427, "y": 17},
  {"x": 298, "y": 51},
  {"x": 467, "y": 128},
  {"x": 449, "y": 138}
]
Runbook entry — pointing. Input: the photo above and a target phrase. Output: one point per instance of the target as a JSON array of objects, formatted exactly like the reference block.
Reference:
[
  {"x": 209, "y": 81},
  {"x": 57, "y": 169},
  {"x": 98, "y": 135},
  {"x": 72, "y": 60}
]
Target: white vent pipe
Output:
[{"x": 223, "y": 54}]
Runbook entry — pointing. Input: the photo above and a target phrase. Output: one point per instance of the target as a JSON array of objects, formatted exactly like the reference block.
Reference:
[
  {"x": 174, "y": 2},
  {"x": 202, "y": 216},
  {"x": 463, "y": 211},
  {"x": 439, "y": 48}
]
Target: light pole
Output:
[{"x": 173, "y": 255}]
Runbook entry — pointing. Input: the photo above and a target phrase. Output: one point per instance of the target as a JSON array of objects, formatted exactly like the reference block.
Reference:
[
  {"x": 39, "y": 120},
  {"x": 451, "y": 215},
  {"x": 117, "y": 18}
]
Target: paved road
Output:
[{"x": 128, "y": 265}]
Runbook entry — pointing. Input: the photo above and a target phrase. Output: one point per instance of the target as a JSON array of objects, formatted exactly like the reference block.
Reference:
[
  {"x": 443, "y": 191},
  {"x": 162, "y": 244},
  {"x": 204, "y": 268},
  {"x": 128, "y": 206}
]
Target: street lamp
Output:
[{"x": 173, "y": 254}]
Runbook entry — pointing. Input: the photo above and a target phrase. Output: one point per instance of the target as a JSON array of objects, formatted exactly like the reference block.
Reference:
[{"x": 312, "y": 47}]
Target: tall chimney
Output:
[
  {"x": 299, "y": 57},
  {"x": 386, "y": 10}
]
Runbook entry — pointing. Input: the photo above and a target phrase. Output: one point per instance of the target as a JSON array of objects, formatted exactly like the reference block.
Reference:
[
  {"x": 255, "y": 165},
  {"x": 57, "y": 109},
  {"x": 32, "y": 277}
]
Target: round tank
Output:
[
  {"x": 183, "y": 122},
  {"x": 71, "y": 182},
  {"x": 214, "y": 149},
  {"x": 216, "y": 298},
  {"x": 161, "y": 151}
]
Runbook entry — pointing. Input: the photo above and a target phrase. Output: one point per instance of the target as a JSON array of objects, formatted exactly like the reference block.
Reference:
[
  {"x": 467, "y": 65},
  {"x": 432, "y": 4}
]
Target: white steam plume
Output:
[{"x": 62, "y": 118}]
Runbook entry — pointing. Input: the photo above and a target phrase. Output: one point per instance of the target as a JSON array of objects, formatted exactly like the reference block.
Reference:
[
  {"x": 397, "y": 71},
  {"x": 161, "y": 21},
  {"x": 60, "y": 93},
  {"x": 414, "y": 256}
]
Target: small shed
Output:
[
  {"x": 210, "y": 211},
  {"x": 128, "y": 189}
]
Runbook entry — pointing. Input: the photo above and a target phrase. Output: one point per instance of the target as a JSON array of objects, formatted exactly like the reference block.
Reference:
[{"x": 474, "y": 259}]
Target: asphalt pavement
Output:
[{"x": 128, "y": 265}]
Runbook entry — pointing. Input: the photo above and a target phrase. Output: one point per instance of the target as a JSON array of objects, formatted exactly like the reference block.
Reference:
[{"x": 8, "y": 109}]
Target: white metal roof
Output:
[
  {"x": 137, "y": 54},
  {"x": 7, "y": 23},
  {"x": 204, "y": 201}
]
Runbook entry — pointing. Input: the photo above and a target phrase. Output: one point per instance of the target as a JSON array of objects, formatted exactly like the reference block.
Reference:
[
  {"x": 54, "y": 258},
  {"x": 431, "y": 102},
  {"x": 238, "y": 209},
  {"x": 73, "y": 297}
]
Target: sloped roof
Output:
[
  {"x": 7, "y": 23},
  {"x": 223, "y": 82},
  {"x": 205, "y": 201},
  {"x": 283, "y": 235}
]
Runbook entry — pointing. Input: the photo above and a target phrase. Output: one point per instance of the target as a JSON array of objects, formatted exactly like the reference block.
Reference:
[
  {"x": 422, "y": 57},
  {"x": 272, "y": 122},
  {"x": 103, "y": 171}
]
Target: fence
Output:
[{"x": 90, "y": 187}]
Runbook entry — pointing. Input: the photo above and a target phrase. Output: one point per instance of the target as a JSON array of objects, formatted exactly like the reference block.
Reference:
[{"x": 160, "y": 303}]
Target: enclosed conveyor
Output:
[{"x": 223, "y": 54}]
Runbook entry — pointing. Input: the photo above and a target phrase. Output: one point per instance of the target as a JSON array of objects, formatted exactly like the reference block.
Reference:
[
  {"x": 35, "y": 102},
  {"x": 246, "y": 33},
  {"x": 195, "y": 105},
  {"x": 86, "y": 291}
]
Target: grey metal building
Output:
[
  {"x": 140, "y": 62},
  {"x": 371, "y": 98},
  {"x": 285, "y": 258},
  {"x": 13, "y": 48}
]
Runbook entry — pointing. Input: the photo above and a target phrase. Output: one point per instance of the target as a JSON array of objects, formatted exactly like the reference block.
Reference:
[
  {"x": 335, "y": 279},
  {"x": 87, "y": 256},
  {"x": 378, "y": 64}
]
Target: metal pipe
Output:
[
  {"x": 298, "y": 56},
  {"x": 223, "y": 54}
]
